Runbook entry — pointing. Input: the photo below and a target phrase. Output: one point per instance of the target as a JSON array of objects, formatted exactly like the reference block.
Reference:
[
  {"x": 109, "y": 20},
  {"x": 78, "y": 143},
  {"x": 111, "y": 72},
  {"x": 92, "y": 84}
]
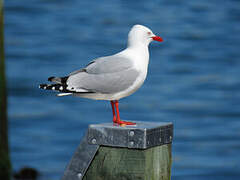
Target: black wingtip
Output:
[
  {"x": 51, "y": 78},
  {"x": 42, "y": 86}
]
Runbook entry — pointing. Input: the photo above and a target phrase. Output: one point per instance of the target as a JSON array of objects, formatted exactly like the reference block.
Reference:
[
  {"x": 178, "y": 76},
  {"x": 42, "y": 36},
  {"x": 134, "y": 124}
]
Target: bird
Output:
[{"x": 111, "y": 77}]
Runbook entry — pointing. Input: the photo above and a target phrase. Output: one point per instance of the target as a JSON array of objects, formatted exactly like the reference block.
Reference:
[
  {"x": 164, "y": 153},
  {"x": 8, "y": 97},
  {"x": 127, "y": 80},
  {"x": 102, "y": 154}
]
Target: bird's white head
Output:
[{"x": 141, "y": 35}]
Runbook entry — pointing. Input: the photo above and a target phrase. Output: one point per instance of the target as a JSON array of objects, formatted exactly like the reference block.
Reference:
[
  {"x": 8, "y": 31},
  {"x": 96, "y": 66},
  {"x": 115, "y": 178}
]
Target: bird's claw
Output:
[{"x": 119, "y": 122}]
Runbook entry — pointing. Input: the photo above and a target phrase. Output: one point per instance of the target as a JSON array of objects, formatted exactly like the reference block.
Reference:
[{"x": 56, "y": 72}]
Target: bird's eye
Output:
[{"x": 149, "y": 33}]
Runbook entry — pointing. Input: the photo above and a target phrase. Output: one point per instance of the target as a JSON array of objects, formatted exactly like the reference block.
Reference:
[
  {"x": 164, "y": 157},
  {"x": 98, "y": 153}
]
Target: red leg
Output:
[
  {"x": 117, "y": 110},
  {"x": 118, "y": 116},
  {"x": 113, "y": 111}
]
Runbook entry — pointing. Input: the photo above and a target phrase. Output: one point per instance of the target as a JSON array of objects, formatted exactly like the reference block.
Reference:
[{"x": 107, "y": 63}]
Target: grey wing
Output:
[
  {"x": 104, "y": 75},
  {"x": 102, "y": 83},
  {"x": 109, "y": 64}
]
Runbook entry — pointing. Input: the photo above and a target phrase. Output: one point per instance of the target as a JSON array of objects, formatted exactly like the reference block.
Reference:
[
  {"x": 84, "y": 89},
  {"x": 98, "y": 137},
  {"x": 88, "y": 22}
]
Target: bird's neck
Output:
[
  {"x": 140, "y": 56},
  {"x": 140, "y": 50}
]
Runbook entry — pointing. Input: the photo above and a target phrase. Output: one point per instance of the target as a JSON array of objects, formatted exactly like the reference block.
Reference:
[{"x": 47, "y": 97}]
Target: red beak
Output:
[{"x": 157, "y": 38}]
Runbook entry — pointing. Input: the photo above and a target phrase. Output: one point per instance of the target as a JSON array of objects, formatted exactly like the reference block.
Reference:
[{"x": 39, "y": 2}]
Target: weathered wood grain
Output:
[{"x": 112, "y": 163}]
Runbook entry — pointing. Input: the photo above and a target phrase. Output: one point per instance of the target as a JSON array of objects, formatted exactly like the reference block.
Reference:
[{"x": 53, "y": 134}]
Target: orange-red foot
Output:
[{"x": 125, "y": 123}]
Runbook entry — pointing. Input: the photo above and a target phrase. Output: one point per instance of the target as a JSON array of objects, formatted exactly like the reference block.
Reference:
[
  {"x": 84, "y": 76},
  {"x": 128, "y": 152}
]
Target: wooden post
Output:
[
  {"x": 131, "y": 164},
  {"x": 107, "y": 152},
  {"x": 5, "y": 167}
]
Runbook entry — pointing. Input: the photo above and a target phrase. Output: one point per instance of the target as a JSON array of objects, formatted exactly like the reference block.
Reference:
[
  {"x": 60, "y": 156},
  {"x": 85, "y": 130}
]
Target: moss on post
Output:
[
  {"x": 5, "y": 167},
  {"x": 131, "y": 164}
]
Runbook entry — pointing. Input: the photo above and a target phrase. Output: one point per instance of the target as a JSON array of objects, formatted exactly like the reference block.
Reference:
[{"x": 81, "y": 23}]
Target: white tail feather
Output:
[{"x": 64, "y": 94}]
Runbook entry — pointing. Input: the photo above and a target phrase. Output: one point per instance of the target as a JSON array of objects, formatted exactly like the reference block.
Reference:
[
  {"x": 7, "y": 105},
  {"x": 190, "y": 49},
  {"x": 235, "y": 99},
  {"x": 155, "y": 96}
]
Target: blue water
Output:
[{"x": 193, "y": 79}]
